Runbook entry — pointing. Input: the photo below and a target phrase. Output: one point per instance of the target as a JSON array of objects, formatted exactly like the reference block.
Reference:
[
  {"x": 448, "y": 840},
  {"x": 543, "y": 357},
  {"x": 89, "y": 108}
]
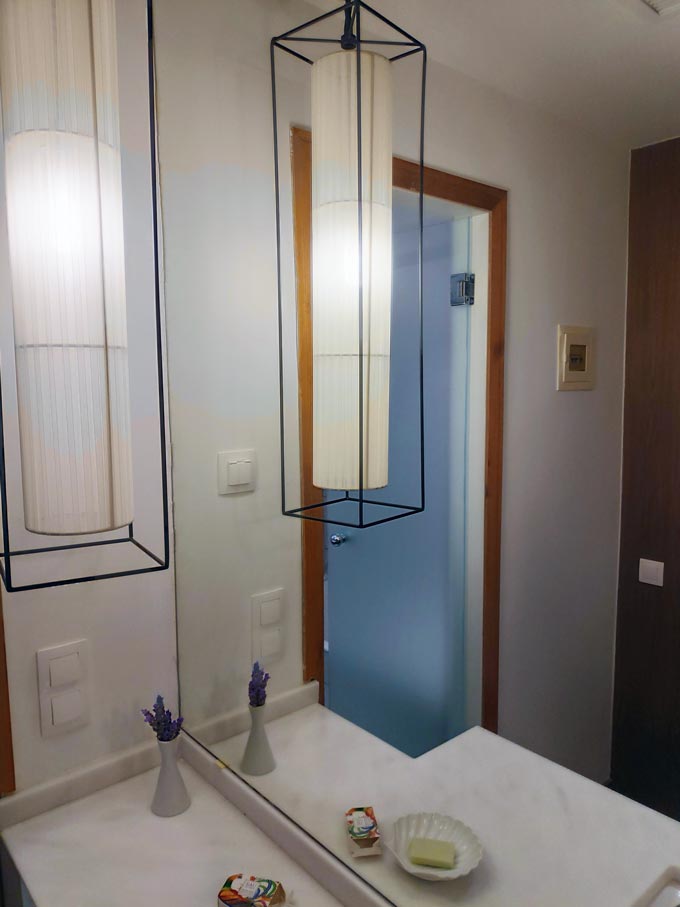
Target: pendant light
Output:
[
  {"x": 66, "y": 255},
  {"x": 59, "y": 86},
  {"x": 351, "y": 259}
]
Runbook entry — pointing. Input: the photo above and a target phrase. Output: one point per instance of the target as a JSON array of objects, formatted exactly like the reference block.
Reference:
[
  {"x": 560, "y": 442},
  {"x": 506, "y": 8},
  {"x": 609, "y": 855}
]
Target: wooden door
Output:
[{"x": 646, "y": 741}]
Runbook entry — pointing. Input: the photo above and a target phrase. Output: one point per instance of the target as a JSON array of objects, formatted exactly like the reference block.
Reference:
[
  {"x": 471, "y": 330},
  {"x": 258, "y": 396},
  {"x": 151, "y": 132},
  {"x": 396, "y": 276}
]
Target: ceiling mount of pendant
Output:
[{"x": 348, "y": 41}]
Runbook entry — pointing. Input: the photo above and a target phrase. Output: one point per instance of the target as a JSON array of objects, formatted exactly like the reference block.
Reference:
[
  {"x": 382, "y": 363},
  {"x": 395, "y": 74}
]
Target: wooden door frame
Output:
[
  {"x": 7, "y": 780},
  {"x": 406, "y": 175}
]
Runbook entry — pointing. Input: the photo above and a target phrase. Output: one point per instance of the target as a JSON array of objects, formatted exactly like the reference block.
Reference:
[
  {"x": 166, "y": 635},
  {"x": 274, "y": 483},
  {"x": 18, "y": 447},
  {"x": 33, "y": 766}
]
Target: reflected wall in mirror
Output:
[
  {"x": 382, "y": 641},
  {"x": 418, "y": 648}
]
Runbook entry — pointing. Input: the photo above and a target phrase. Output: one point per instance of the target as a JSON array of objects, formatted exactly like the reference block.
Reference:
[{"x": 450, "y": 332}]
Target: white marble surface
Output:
[
  {"x": 551, "y": 837},
  {"x": 109, "y": 850}
]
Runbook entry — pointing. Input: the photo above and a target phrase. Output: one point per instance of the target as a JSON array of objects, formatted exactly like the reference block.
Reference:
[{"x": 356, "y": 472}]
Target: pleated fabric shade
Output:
[
  {"x": 59, "y": 89},
  {"x": 346, "y": 345}
]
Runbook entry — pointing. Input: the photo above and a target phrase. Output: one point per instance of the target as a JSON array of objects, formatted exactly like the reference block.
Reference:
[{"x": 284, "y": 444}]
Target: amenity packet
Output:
[
  {"x": 249, "y": 891},
  {"x": 363, "y": 832}
]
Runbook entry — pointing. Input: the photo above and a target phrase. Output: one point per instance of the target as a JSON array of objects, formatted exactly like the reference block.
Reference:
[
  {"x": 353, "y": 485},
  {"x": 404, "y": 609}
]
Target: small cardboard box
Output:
[
  {"x": 363, "y": 832},
  {"x": 249, "y": 891}
]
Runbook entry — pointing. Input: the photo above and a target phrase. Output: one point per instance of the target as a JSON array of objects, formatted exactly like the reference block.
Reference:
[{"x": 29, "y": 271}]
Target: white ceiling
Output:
[{"x": 612, "y": 66}]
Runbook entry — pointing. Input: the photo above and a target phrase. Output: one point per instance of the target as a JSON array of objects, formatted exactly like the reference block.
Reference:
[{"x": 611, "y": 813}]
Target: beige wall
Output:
[
  {"x": 129, "y": 622},
  {"x": 130, "y": 625}
]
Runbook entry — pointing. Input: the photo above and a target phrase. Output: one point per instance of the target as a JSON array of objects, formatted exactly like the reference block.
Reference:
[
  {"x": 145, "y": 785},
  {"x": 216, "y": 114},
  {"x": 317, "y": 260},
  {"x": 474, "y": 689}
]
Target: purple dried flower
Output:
[
  {"x": 257, "y": 688},
  {"x": 161, "y": 721}
]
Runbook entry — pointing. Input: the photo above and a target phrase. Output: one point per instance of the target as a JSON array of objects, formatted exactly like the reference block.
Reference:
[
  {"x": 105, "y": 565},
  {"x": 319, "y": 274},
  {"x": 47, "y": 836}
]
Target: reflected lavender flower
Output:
[{"x": 257, "y": 688}]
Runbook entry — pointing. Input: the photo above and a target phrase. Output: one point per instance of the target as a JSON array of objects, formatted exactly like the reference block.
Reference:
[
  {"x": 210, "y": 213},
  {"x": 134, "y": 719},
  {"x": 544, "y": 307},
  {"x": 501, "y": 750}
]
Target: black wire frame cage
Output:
[
  {"x": 150, "y": 561},
  {"x": 353, "y": 509}
]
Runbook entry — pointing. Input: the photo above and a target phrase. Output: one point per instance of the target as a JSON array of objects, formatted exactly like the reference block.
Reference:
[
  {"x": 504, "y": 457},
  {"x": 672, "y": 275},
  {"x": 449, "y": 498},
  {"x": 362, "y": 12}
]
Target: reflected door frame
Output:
[{"x": 437, "y": 183}]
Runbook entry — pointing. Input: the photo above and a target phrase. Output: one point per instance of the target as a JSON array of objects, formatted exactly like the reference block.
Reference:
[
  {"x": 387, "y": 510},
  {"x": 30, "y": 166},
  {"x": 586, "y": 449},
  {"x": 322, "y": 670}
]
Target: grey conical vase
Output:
[
  {"x": 171, "y": 797},
  {"x": 258, "y": 758}
]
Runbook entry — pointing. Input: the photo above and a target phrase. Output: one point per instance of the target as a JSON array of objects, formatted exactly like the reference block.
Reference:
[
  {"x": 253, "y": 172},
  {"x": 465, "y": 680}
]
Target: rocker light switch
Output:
[
  {"x": 64, "y": 670},
  {"x": 270, "y": 644},
  {"x": 67, "y": 708},
  {"x": 651, "y": 572}
]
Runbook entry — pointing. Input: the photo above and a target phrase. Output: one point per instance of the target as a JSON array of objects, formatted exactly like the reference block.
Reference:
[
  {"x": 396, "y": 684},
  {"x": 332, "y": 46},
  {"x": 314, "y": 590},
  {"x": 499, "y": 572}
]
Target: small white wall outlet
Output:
[
  {"x": 63, "y": 676},
  {"x": 575, "y": 358},
  {"x": 266, "y": 621}
]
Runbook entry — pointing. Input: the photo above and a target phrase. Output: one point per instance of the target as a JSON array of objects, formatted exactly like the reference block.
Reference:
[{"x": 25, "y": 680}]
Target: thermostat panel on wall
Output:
[{"x": 575, "y": 358}]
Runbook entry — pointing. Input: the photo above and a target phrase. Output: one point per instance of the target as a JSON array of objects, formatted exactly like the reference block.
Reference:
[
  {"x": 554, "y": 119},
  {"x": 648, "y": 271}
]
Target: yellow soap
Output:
[{"x": 430, "y": 852}]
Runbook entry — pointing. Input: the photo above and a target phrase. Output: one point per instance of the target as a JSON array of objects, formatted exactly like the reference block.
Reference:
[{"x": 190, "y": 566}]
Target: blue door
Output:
[{"x": 395, "y": 593}]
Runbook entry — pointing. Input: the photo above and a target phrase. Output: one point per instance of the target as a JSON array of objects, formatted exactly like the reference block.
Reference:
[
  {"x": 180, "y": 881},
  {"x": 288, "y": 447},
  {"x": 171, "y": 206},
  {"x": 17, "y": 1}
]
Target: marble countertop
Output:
[
  {"x": 109, "y": 850},
  {"x": 551, "y": 837}
]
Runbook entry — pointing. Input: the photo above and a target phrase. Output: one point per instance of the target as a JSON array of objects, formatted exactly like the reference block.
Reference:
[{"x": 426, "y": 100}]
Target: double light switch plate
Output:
[
  {"x": 267, "y": 626},
  {"x": 63, "y": 673}
]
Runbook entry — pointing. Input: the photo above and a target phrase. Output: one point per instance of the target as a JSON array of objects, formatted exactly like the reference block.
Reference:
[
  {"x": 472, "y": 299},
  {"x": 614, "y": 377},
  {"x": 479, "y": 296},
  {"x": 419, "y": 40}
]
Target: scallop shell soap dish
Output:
[{"x": 441, "y": 828}]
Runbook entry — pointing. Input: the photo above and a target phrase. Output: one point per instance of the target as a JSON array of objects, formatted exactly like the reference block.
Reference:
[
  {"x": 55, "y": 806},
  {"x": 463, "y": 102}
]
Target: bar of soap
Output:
[{"x": 430, "y": 852}]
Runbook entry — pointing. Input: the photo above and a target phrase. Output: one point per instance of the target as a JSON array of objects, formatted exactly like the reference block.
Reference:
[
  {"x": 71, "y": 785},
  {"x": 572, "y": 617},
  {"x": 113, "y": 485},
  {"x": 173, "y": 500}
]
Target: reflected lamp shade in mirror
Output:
[
  {"x": 351, "y": 294},
  {"x": 59, "y": 84}
]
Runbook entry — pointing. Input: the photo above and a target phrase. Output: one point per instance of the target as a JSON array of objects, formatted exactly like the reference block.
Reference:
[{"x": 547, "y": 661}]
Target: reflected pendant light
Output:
[
  {"x": 351, "y": 260},
  {"x": 65, "y": 225},
  {"x": 337, "y": 292}
]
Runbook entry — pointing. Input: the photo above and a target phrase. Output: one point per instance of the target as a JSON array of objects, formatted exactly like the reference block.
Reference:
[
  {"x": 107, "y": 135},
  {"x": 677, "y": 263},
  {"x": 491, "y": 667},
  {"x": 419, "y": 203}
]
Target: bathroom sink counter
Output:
[
  {"x": 109, "y": 850},
  {"x": 551, "y": 837}
]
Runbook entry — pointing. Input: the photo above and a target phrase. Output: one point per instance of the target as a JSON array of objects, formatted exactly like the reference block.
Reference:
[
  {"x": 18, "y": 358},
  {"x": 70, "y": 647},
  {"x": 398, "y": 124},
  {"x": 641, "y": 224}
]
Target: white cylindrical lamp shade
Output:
[
  {"x": 58, "y": 77},
  {"x": 338, "y": 271}
]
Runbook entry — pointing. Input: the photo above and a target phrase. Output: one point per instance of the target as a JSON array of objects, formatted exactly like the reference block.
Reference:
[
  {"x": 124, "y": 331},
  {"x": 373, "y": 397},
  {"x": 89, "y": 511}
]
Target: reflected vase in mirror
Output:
[{"x": 258, "y": 758}]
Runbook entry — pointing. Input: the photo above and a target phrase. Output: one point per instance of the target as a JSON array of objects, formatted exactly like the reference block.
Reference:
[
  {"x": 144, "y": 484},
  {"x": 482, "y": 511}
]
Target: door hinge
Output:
[{"x": 462, "y": 289}]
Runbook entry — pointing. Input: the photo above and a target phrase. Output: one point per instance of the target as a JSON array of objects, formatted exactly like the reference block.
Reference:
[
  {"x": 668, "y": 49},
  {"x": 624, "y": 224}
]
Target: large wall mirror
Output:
[{"x": 382, "y": 643}]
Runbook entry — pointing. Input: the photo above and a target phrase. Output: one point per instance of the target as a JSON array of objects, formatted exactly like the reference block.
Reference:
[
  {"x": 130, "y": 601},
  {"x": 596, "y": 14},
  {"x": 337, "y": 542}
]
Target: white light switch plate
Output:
[
  {"x": 651, "y": 572},
  {"x": 575, "y": 358},
  {"x": 236, "y": 471},
  {"x": 63, "y": 687},
  {"x": 266, "y": 621}
]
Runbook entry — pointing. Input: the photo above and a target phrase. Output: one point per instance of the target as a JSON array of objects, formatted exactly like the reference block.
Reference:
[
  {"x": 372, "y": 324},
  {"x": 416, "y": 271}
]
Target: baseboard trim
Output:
[
  {"x": 77, "y": 784},
  {"x": 317, "y": 860},
  {"x": 238, "y": 720}
]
